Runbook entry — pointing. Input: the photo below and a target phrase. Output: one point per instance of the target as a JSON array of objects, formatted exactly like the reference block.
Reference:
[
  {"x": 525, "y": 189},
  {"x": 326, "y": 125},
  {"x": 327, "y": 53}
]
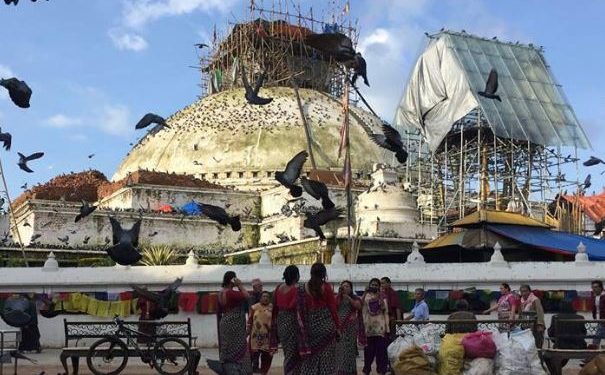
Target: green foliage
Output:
[
  {"x": 241, "y": 259},
  {"x": 159, "y": 256}
]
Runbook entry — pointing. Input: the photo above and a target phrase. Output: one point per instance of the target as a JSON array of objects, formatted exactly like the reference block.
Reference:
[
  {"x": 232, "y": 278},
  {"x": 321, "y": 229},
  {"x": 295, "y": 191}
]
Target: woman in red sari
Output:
[
  {"x": 284, "y": 320},
  {"x": 319, "y": 324},
  {"x": 349, "y": 314},
  {"x": 233, "y": 346}
]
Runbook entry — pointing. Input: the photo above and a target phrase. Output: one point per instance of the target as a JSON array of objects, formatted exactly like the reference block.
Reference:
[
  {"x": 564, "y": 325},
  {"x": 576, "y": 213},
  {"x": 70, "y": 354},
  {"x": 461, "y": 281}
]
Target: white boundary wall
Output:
[{"x": 540, "y": 275}]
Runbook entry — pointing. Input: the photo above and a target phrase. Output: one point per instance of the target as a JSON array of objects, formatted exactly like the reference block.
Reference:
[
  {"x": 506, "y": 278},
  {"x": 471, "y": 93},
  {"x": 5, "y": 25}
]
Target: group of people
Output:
[{"x": 319, "y": 331}]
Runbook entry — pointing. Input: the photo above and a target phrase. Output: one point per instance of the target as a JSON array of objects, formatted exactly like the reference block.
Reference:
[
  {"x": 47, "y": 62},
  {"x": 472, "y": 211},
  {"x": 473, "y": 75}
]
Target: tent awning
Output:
[
  {"x": 497, "y": 217},
  {"x": 558, "y": 242}
]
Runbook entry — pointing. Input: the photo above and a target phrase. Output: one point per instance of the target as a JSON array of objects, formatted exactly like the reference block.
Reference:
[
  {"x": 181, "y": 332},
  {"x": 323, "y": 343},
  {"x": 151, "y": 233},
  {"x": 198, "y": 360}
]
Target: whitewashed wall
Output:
[{"x": 547, "y": 276}]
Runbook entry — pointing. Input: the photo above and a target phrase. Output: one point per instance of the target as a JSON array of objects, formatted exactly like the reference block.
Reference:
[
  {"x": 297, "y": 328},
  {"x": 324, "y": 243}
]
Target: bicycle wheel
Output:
[
  {"x": 171, "y": 356},
  {"x": 107, "y": 356}
]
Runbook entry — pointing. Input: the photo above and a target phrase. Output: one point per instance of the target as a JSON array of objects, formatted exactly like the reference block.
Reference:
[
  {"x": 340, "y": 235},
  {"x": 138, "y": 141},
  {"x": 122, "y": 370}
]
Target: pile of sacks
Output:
[{"x": 477, "y": 353}]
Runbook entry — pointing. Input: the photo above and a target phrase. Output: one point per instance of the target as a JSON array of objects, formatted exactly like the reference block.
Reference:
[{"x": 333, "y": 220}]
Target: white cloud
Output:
[
  {"x": 63, "y": 121},
  {"x": 139, "y": 12},
  {"x": 115, "y": 120},
  {"x": 127, "y": 41}
]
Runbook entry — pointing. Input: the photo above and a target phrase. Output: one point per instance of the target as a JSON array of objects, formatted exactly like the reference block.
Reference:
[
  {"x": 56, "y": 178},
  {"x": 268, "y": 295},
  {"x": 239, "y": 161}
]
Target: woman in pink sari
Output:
[{"x": 507, "y": 304}]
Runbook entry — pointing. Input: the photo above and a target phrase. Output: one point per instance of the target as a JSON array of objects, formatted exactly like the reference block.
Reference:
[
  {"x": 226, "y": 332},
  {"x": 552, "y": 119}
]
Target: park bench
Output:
[
  {"x": 79, "y": 336},
  {"x": 553, "y": 357}
]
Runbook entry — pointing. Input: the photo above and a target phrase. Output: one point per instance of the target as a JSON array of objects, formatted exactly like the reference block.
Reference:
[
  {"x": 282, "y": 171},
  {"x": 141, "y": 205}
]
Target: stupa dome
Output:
[{"x": 223, "y": 139}]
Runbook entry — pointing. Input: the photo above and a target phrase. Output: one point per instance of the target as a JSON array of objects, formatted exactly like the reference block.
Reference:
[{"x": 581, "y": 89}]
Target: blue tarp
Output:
[
  {"x": 191, "y": 208},
  {"x": 559, "y": 242}
]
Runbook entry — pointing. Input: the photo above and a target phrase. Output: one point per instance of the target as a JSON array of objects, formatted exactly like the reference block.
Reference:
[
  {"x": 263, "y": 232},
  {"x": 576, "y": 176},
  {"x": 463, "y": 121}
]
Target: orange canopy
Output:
[{"x": 593, "y": 205}]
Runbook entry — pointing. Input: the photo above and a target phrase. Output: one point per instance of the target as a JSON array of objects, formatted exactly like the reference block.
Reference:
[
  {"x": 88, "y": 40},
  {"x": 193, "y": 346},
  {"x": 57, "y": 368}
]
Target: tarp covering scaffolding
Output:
[{"x": 444, "y": 83}]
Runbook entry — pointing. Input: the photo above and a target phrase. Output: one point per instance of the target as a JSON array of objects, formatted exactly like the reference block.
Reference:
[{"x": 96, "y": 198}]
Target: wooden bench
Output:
[
  {"x": 79, "y": 336},
  {"x": 584, "y": 330}
]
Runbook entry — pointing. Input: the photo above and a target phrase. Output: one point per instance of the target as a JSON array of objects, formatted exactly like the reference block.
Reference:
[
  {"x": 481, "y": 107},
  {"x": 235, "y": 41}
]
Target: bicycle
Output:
[{"x": 109, "y": 355}]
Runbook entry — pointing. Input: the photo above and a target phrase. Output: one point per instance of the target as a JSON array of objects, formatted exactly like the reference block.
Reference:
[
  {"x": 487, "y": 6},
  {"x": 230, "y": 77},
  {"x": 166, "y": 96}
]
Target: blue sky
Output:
[{"x": 96, "y": 66}]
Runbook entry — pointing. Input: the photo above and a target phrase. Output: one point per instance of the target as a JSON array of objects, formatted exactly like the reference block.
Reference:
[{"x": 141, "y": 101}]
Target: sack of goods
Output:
[
  {"x": 517, "y": 355},
  {"x": 479, "y": 344},
  {"x": 594, "y": 367},
  {"x": 479, "y": 366},
  {"x": 412, "y": 361},
  {"x": 451, "y": 354}
]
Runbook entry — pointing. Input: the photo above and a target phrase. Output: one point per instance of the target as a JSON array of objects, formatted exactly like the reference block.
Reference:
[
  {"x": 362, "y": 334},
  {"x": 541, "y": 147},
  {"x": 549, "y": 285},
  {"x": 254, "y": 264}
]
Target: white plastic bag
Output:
[
  {"x": 479, "y": 366},
  {"x": 428, "y": 339},
  {"x": 398, "y": 346},
  {"x": 517, "y": 355}
]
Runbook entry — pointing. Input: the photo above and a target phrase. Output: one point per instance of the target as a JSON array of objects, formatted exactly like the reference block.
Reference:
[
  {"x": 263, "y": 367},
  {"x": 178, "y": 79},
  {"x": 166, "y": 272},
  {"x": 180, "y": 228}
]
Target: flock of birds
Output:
[{"x": 15, "y": 2}]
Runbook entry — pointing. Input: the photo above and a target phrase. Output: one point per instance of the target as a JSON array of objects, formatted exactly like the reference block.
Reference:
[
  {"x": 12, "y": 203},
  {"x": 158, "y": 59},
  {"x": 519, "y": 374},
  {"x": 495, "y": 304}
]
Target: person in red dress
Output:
[
  {"x": 284, "y": 320},
  {"x": 320, "y": 324},
  {"x": 233, "y": 346}
]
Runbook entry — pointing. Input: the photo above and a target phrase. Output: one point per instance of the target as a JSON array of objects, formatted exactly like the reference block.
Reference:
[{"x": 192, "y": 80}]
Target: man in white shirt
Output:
[{"x": 598, "y": 310}]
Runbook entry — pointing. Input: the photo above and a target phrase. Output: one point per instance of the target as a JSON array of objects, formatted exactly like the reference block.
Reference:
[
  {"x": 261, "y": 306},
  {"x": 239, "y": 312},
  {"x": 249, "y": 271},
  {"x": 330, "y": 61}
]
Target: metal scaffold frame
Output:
[
  {"x": 473, "y": 169},
  {"x": 271, "y": 40}
]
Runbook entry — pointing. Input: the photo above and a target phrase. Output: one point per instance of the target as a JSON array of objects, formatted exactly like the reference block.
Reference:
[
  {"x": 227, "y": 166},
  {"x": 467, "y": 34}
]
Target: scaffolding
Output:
[
  {"x": 272, "y": 40},
  {"x": 474, "y": 169}
]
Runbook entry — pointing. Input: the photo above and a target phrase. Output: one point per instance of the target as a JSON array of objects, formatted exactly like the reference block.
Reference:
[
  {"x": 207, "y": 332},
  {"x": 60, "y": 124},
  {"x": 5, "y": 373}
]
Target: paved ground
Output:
[{"x": 48, "y": 361}]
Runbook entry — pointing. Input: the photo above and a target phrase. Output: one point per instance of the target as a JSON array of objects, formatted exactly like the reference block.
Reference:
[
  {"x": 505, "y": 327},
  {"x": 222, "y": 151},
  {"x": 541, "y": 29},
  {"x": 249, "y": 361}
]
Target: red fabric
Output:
[
  {"x": 393, "y": 302},
  {"x": 208, "y": 303},
  {"x": 479, "y": 345},
  {"x": 125, "y": 296},
  {"x": 326, "y": 300},
  {"x": 284, "y": 301},
  {"x": 455, "y": 295},
  {"x": 166, "y": 208},
  {"x": 538, "y": 293},
  {"x": 233, "y": 298},
  {"x": 583, "y": 304},
  {"x": 187, "y": 301}
]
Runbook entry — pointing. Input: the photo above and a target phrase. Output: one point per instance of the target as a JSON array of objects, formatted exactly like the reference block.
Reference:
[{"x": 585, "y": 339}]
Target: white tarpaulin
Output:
[{"x": 446, "y": 78}]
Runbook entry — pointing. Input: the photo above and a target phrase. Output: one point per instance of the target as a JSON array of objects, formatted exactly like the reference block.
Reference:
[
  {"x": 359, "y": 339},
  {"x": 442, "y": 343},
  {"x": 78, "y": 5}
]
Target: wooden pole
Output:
[
  {"x": 12, "y": 216},
  {"x": 305, "y": 123}
]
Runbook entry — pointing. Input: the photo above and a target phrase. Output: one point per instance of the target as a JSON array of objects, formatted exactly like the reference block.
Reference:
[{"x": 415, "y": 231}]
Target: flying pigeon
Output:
[
  {"x": 160, "y": 298},
  {"x": 85, "y": 210},
  {"x": 35, "y": 237},
  {"x": 592, "y": 161},
  {"x": 91, "y": 156},
  {"x": 18, "y": 91},
  {"x": 491, "y": 86},
  {"x": 317, "y": 190},
  {"x": 86, "y": 239},
  {"x": 360, "y": 69},
  {"x": 150, "y": 118},
  {"x": 201, "y": 45},
  {"x": 315, "y": 221},
  {"x": 125, "y": 242},
  {"x": 335, "y": 45},
  {"x": 289, "y": 176},
  {"x": 219, "y": 215},
  {"x": 391, "y": 140},
  {"x": 64, "y": 240},
  {"x": 6, "y": 138},
  {"x": 252, "y": 93},
  {"x": 587, "y": 182},
  {"x": 24, "y": 186},
  {"x": 24, "y": 159}
]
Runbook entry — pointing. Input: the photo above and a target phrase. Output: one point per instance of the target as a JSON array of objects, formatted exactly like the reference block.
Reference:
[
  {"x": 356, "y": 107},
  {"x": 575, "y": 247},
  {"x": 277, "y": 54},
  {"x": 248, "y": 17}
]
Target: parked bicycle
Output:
[{"x": 109, "y": 355}]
